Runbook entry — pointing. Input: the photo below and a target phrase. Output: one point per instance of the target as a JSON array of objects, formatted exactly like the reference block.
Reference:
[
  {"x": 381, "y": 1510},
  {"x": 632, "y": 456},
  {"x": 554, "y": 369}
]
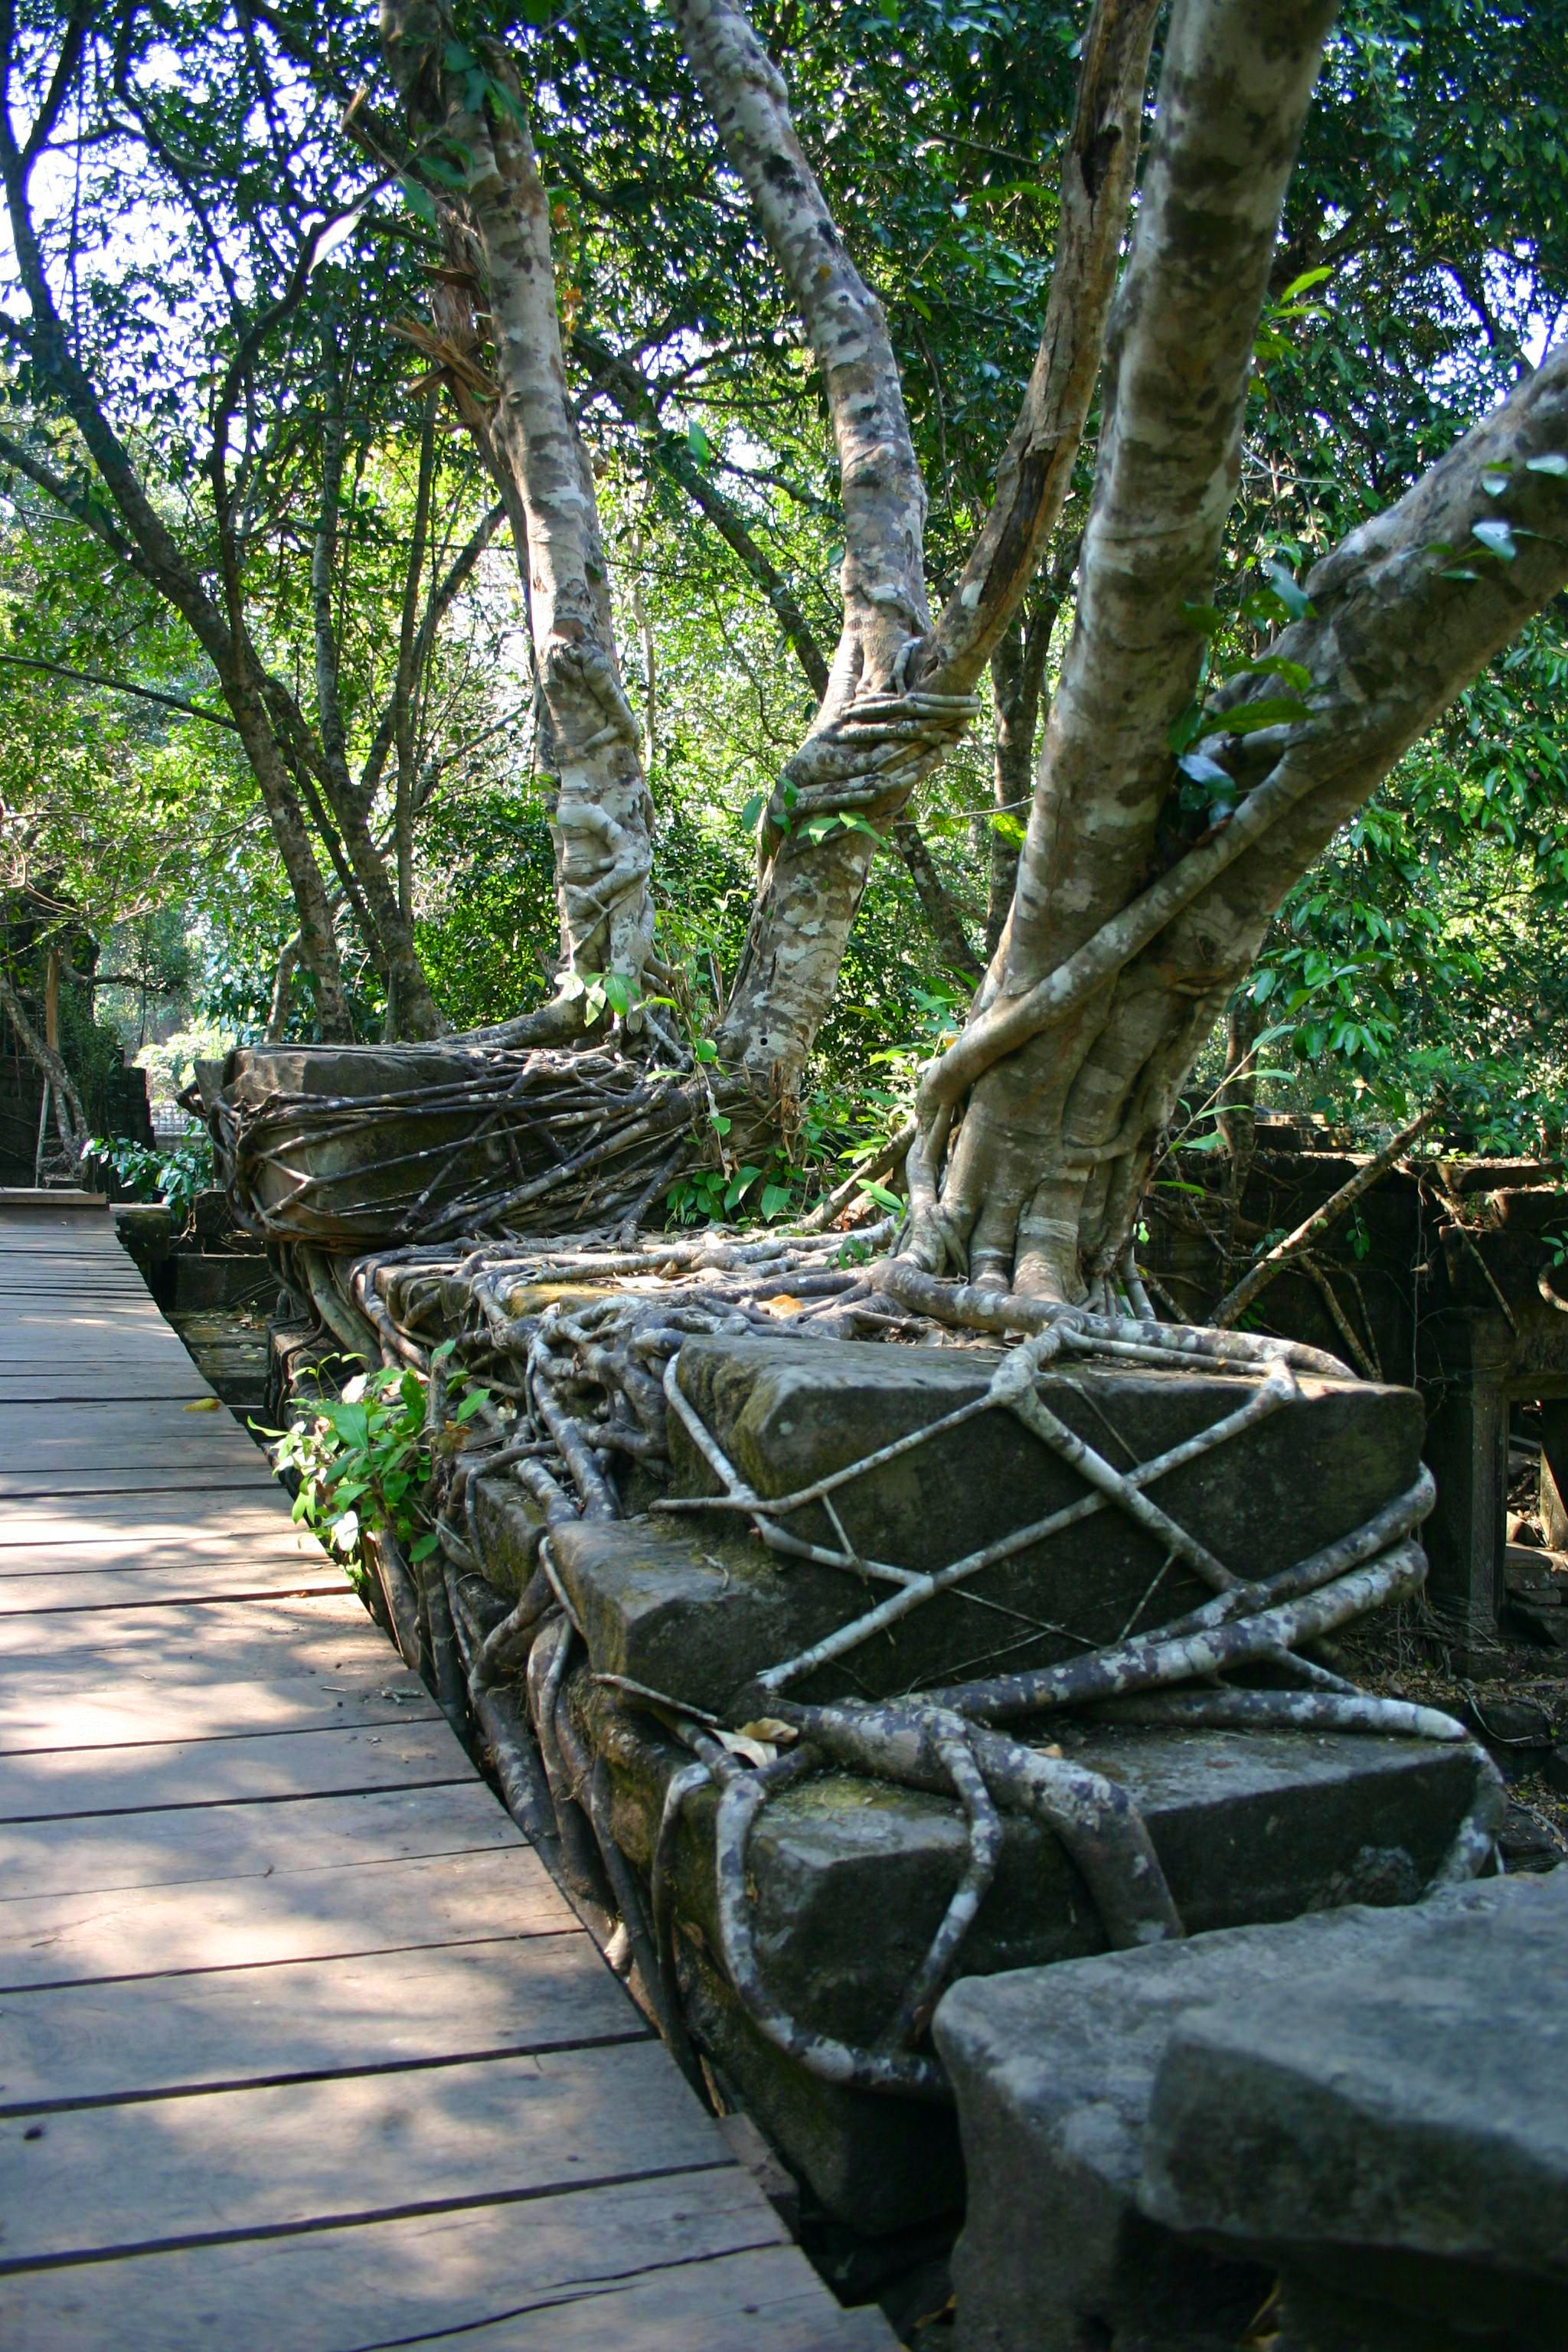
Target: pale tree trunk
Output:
[
  {"x": 900, "y": 690},
  {"x": 602, "y": 819},
  {"x": 1121, "y": 953}
]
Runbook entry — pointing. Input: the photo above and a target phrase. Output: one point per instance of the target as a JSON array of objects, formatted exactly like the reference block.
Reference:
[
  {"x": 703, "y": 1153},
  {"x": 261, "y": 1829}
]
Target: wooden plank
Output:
[
  {"x": 274, "y": 1539},
  {"x": 231, "y": 2026},
  {"x": 100, "y": 1780},
  {"x": 444, "y": 2276},
  {"x": 293, "y": 1914},
  {"x": 126, "y": 1384},
  {"x": 344, "y": 2149},
  {"x": 233, "y": 1641},
  {"x": 160, "y": 1481},
  {"x": 114, "y": 1851},
  {"x": 162, "y": 1513},
  {"x": 128, "y": 1713},
  {"x": 156, "y": 1588},
  {"x": 157, "y": 1420}
]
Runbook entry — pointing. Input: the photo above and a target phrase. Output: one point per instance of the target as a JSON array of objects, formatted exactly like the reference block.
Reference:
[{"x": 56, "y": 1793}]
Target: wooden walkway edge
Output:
[{"x": 301, "y": 2050}]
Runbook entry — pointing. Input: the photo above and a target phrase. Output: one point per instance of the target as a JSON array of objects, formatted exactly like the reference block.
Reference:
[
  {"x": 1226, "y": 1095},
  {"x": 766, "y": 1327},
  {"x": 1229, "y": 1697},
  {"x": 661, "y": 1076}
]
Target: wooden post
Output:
[{"x": 1554, "y": 1472}]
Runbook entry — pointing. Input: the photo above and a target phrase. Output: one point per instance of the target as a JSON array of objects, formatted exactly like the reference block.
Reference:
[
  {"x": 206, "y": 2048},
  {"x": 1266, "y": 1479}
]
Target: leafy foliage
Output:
[{"x": 364, "y": 1458}]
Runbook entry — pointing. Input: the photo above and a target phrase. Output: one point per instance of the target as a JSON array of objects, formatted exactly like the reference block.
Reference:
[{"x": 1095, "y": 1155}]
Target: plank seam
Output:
[
  {"x": 547, "y": 2049},
  {"x": 79, "y": 2257}
]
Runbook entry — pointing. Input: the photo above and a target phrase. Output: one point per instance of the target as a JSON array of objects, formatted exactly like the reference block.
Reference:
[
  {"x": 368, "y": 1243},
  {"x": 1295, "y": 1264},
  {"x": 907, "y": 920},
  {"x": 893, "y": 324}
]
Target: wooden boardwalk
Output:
[{"x": 301, "y": 2048}]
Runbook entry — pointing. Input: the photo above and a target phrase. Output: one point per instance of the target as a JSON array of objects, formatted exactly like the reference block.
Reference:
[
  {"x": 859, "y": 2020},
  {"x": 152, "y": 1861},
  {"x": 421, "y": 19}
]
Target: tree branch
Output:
[
  {"x": 121, "y": 686},
  {"x": 883, "y": 497},
  {"x": 1099, "y": 168},
  {"x": 1320, "y": 1224}
]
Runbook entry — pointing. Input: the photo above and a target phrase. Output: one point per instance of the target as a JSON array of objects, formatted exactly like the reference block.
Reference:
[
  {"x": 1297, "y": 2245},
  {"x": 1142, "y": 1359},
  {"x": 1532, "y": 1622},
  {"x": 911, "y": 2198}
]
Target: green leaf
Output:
[
  {"x": 1309, "y": 278},
  {"x": 420, "y": 202},
  {"x": 776, "y": 1199},
  {"x": 1295, "y": 599},
  {"x": 718, "y": 1123},
  {"x": 619, "y": 993},
  {"x": 1208, "y": 618},
  {"x": 1185, "y": 729},
  {"x": 704, "y": 1050},
  {"x": 1495, "y": 480},
  {"x": 471, "y": 1404},
  {"x": 1553, "y": 462},
  {"x": 750, "y": 815},
  {"x": 1496, "y": 535},
  {"x": 424, "y": 1546},
  {"x": 881, "y": 1194},
  {"x": 697, "y": 441},
  {"x": 457, "y": 58},
  {"x": 1205, "y": 770},
  {"x": 1276, "y": 666},
  {"x": 1250, "y": 717},
  {"x": 349, "y": 1422}
]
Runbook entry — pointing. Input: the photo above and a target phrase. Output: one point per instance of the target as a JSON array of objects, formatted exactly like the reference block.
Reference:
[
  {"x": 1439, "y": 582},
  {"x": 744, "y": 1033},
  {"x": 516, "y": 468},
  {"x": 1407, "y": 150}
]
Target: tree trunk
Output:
[
  {"x": 602, "y": 820},
  {"x": 1017, "y": 684},
  {"x": 1124, "y": 945},
  {"x": 900, "y": 690}
]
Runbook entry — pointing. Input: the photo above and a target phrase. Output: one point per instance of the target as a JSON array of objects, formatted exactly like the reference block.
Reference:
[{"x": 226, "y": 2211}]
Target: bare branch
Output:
[{"x": 121, "y": 685}]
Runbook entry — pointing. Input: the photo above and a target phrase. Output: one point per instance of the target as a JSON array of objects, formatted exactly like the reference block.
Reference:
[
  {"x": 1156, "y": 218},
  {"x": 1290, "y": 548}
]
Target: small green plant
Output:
[
  {"x": 173, "y": 1177},
  {"x": 364, "y": 1458}
]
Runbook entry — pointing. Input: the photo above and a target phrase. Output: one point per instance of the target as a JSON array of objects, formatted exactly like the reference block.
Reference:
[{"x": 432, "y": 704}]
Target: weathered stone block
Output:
[
  {"x": 1391, "y": 2127},
  {"x": 853, "y": 1876},
  {"x": 409, "y": 1129},
  {"x": 789, "y": 1411},
  {"x": 1056, "y": 2070}
]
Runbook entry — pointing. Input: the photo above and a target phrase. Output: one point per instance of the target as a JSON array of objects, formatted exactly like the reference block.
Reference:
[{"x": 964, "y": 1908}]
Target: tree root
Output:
[{"x": 582, "y": 1345}]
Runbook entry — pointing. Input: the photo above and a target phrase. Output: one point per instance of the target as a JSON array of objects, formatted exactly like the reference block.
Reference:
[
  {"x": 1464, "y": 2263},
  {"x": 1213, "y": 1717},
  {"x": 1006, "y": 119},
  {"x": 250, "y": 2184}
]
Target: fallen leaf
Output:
[
  {"x": 204, "y": 1405},
  {"x": 769, "y": 1728}
]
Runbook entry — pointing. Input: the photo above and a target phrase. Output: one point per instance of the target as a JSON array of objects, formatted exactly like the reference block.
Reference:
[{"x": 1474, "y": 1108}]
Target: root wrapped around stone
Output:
[{"x": 578, "y": 1347}]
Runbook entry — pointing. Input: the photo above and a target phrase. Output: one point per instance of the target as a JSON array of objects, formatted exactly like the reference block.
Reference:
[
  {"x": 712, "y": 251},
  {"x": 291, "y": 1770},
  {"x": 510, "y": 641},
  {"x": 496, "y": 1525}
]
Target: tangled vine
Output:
[{"x": 578, "y": 1349}]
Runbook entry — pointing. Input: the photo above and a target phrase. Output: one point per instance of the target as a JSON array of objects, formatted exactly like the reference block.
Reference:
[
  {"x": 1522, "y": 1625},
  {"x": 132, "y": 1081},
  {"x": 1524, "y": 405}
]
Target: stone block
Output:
[
  {"x": 1527, "y": 1571},
  {"x": 1055, "y": 2071},
  {"x": 853, "y": 1876},
  {"x": 1390, "y": 2127},
  {"x": 789, "y": 1412},
  {"x": 408, "y": 1100}
]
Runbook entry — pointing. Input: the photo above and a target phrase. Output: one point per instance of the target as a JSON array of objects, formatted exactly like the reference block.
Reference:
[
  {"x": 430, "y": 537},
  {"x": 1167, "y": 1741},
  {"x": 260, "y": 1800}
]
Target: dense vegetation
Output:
[{"x": 316, "y": 661}]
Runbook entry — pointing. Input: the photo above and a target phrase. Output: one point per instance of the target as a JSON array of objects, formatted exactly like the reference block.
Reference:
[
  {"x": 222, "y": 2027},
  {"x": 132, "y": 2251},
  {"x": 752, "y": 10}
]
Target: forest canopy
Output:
[{"x": 272, "y": 712}]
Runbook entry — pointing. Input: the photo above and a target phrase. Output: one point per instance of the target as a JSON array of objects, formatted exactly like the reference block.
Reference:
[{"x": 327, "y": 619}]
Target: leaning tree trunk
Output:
[
  {"x": 602, "y": 817},
  {"x": 1036, "y": 1129},
  {"x": 901, "y": 690}
]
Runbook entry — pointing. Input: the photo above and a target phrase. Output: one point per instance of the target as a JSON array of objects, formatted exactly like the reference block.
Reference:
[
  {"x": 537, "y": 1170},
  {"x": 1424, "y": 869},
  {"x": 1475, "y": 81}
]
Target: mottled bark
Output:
[
  {"x": 899, "y": 690},
  {"x": 1122, "y": 953},
  {"x": 602, "y": 817}
]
